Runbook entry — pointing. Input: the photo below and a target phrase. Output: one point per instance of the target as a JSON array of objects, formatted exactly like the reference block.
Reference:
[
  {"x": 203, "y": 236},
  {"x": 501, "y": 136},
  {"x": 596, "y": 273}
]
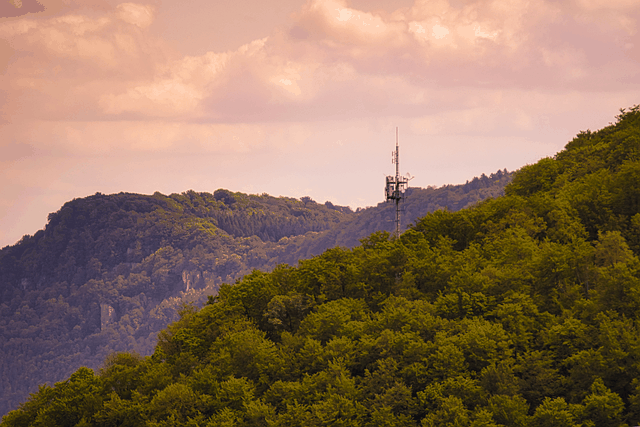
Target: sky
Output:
[{"x": 295, "y": 97}]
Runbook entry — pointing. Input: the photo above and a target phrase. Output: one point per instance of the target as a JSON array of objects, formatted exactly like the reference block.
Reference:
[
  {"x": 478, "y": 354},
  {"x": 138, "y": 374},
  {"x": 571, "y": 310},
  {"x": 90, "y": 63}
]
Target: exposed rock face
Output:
[
  {"x": 107, "y": 315},
  {"x": 190, "y": 279}
]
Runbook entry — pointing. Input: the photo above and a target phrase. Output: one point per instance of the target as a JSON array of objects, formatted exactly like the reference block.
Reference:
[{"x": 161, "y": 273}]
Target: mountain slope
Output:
[{"x": 110, "y": 271}]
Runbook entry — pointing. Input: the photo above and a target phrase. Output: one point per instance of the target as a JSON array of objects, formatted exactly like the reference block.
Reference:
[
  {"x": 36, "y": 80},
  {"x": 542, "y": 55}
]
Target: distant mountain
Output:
[{"x": 109, "y": 272}]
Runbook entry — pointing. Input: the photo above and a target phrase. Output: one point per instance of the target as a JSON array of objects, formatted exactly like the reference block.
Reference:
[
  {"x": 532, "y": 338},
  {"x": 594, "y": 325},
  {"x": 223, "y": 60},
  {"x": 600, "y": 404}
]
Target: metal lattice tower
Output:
[{"x": 396, "y": 185}]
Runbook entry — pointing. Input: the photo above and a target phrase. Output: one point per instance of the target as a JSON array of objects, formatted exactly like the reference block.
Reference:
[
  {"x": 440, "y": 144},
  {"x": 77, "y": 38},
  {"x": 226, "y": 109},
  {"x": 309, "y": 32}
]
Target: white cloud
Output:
[
  {"x": 345, "y": 25},
  {"x": 440, "y": 31},
  {"x": 136, "y": 14}
]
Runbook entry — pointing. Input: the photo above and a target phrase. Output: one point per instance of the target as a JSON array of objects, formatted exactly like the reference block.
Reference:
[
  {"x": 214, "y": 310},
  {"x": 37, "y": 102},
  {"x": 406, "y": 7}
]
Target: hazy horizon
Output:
[{"x": 293, "y": 97}]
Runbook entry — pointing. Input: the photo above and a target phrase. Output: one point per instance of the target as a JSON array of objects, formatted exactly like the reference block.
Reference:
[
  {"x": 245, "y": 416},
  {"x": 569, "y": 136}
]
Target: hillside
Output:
[
  {"x": 520, "y": 311},
  {"x": 110, "y": 271}
]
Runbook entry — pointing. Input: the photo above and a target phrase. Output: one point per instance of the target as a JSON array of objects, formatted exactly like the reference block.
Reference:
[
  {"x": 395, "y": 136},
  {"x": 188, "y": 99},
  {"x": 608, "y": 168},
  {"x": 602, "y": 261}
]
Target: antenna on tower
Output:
[{"x": 396, "y": 185}]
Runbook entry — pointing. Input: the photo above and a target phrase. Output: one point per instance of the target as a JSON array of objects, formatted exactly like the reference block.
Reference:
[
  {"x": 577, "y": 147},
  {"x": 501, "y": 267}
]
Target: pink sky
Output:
[{"x": 295, "y": 97}]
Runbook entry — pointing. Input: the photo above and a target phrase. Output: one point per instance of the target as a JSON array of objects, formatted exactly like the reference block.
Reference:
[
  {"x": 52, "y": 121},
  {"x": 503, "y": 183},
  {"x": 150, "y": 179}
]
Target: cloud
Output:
[
  {"x": 13, "y": 8},
  {"x": 136, "y": 14},
  {"x": 331, "y": 61},
  {"x": 334, "y": 23},
  {"x": 176, "y": 89},
  {"x": 61, "y": 67},
  {"x": 106, "y": 40}
]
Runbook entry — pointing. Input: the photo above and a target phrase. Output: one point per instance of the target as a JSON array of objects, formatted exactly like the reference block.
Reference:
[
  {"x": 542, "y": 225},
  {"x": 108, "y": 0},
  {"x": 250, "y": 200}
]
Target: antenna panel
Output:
[{"x": 396, "y": 185}]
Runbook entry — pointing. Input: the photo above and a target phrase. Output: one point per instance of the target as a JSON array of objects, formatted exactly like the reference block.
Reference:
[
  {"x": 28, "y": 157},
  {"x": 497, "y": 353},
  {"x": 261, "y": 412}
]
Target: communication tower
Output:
[{"x": 396, "y": 185}]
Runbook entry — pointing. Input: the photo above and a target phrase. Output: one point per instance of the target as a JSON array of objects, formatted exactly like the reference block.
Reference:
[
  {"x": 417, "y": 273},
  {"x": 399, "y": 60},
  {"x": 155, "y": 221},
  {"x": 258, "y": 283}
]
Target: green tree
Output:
[
  {"x": 602, "y": 406},
  {"x": 555, "y": 413}
]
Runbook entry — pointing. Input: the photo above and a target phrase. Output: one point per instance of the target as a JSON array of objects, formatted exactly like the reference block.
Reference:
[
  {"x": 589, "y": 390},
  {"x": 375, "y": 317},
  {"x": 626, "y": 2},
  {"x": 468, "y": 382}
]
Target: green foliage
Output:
[
  {"x": 555, "y": 413},
  {"x": 535, "y": 178},
  {"x": 603, "y": 407}
]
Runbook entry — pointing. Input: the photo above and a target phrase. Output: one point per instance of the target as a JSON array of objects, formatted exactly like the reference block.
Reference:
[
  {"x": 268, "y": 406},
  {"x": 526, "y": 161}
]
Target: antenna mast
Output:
[{"x": 396, "y": 185}]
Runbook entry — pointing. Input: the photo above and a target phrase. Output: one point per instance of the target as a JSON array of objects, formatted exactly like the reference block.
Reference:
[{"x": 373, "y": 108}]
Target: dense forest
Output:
[
  {"x": 520, "y": 311},
  {"x": 111, "y": 271}
]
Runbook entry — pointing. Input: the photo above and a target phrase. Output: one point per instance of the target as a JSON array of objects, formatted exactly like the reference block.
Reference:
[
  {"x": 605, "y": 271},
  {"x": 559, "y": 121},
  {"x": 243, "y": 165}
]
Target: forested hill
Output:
[
  {"x": 110, "y": 271},
  {"x": 418, "y": 202},
  {"x": 520, "y": 311}
]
